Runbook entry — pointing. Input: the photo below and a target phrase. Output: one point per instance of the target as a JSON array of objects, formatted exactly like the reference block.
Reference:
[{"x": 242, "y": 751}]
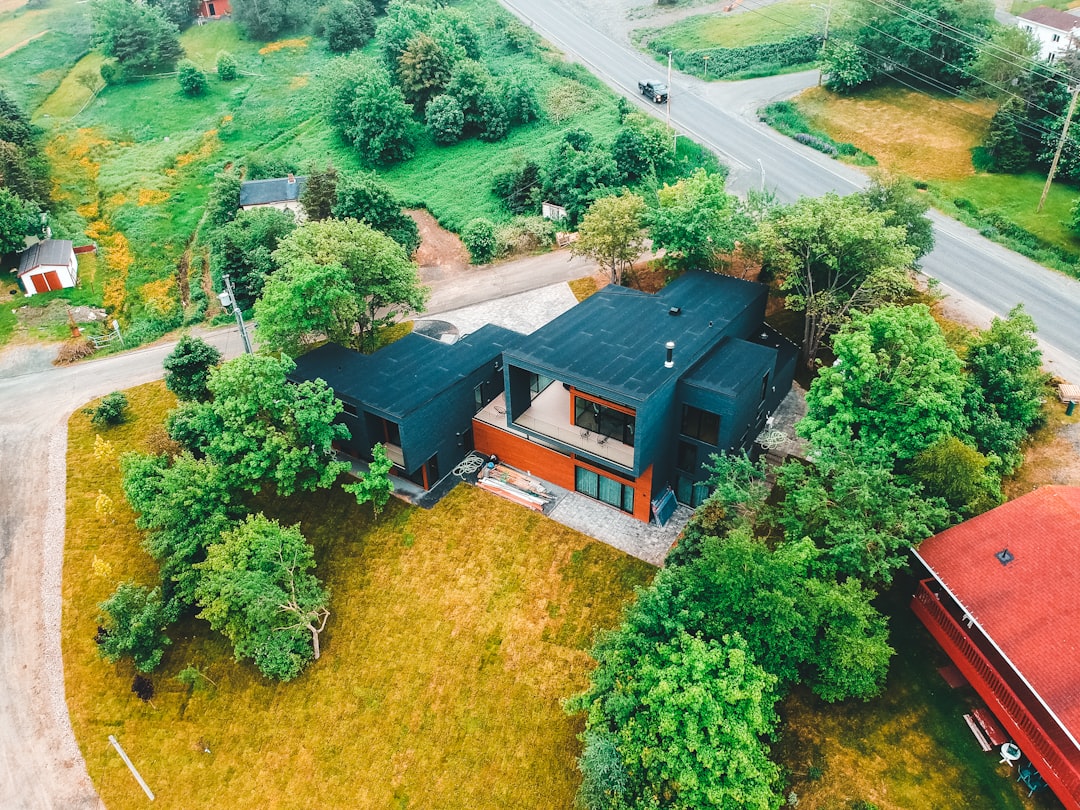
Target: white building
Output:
[
  {"x": 48, "y": 265},
  {"x": 1055, "y": 30}
]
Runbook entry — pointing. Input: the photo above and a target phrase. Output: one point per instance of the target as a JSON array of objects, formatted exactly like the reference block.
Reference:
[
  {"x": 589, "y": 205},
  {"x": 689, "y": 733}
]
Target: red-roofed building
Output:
[{"x": 1003, "y": 600}]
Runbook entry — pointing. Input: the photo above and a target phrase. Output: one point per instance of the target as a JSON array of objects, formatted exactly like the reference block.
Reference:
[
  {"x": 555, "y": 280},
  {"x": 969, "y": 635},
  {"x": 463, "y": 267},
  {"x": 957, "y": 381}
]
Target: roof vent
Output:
[
  {"x": 674, "y": 311},
  {"x": 1004, "y": 556},
  {"x": 670, "y": 362}
]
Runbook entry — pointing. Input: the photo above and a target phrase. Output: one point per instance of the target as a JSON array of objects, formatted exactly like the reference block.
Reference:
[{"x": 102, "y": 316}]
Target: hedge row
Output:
[{"x": 727, "y": 61}]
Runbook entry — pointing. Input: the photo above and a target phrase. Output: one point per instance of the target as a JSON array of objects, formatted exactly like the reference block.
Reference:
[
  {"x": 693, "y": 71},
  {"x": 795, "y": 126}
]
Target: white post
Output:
[
  {"x": 762, "y": 165},
  {"x": 706, "y": 58},
  {"x": 669, "y": 88},
  {"x": 131, "y": 767},
  {"x": 239, "y": 315}
]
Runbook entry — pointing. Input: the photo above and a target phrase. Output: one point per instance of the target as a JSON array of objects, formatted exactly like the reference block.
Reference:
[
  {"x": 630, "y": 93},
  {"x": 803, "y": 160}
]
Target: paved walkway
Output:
[
  {"x": 646, "y": 541},
  {"x": 523, "y": 312}
]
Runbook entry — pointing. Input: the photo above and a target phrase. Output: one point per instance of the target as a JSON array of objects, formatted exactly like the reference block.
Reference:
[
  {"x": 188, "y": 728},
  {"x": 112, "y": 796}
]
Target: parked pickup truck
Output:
[{"x": 655, "y": 90}]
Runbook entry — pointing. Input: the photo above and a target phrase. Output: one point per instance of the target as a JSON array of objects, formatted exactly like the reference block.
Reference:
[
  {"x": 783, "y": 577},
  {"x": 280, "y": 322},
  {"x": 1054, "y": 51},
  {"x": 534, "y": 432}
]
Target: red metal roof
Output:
[{"x": 1029, "y": 607}]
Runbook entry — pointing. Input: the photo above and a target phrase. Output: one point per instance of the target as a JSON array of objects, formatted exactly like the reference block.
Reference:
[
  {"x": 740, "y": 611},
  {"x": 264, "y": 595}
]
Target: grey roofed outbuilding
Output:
[
  {"x": 50, "y": 252},
  {"x": 400, "y": 378},
  {"x": 268, "y": 192},
  {"x": 616, "y": 338}
]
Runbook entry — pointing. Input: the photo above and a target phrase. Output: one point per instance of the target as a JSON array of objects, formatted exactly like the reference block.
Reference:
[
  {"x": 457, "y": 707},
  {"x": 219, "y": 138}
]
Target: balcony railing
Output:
[{"x": 1035, "y": 738}]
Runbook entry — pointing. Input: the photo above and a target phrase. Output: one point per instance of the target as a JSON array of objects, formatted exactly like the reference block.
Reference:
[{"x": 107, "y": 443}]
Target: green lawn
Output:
[
  {"x": 59, "y": 34},
  {"x": 454, "y": 634},
  {"x": 779, "y": 21}
]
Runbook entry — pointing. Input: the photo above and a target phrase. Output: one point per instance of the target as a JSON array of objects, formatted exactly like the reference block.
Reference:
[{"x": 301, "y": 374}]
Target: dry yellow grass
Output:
[
  {"x": 907, "y": 132},
  {"x": 282, "y": 44},
  {"x": 454, "y": 634},
  {"x": 582, "y": 288}
]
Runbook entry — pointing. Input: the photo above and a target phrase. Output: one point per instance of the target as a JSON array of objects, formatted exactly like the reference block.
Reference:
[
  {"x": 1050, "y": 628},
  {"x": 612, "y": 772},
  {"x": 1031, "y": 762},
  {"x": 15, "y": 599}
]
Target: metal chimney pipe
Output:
[{"x": 670, "y": 362}]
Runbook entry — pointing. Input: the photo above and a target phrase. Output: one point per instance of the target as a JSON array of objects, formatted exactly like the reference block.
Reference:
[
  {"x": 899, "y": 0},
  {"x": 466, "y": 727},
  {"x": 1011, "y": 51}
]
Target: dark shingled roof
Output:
[
  {"x": 408, "y": 373},
  {"x": 49, "y": 252},
  {"x": 1051, "y": 18},
  {"x": 266, "y": 192},
  {"x": 614, "y": 340},
  {"x": 1028, "y": 606},
  {"x": 727, "y": 368}
]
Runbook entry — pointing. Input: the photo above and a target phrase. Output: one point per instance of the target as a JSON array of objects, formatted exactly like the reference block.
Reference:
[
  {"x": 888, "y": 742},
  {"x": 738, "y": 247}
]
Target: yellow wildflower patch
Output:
[
  {"x": 282, "y": 44},
  {"x": 116, "y": 200},
  {"x": 226, "y": 119},
  {"x": 152, "y": 196},
  {"x": 298, "y": 81},
  {"x": 88, "y": 210},
  {"x": 160, "y": 295},
  {"x": 209, "y": 144},
  {"x": 98, "y": 229},
  {"x": 170, "y": 172}
]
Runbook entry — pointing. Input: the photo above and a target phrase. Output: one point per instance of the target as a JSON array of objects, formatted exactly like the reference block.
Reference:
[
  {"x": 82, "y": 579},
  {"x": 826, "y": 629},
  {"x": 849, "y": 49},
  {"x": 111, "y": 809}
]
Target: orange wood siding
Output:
[{"x": 553, "y": 466}]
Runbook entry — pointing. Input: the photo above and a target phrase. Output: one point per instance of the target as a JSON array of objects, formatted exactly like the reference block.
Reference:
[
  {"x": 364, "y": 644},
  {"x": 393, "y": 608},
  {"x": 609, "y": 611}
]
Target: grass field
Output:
[
  {"x": 778, "y": 21},
  {"x": 40, "y": 45},
  {"x": 910, "y": 748},
  {"x": 454, "y": 634}
]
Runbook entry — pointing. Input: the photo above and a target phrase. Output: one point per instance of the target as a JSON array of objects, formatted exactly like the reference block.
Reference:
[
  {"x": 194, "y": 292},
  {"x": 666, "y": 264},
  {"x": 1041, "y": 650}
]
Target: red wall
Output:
[{"x": 551, "y": 465}]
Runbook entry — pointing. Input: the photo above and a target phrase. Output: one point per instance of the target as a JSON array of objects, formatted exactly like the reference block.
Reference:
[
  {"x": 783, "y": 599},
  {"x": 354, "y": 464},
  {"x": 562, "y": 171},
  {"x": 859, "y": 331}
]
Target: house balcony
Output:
[
  {"x": 395, "y": 454},
  {"x": 1029, "y": 723},
  {"x": 548, "y": 417}
]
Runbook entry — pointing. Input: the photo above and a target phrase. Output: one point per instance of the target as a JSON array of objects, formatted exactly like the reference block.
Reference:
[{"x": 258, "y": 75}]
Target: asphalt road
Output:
[{"x": 986, "y": 279}]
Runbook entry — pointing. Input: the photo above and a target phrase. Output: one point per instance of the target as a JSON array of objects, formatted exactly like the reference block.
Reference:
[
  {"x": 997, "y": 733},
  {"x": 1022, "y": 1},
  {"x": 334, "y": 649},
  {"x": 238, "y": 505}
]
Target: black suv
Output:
[{"x": 655, "y": 90}]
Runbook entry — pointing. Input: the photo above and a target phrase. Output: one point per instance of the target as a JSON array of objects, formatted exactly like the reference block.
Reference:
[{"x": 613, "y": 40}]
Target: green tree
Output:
[
  {"x": 833, "y": 256},
  {"x": 223, "y": 201},
  {"x": 227, "y": 68},
  {"x": 374, "y": 486},
  {"x": 180, "y": 13},
  {"x": 423, "y": 69},
  {"x": 187, "y": 368},
  {"x": 845, "y": 66},
  {"x": 371, "y": 113},
  {"x": 256, "y": 587},
  {"x": 242, "y": 249},
  {"x": 375, "y": 281},
  {"x": 696, "y": 223},
  {"x": 896, "y": 385},
  {"x": 18, "y": 218},
  {"x": 192, "y": 80},
  {"x": 139, "y": 37},
  {"x": 112, "y": 410},
  {"x": 15, "y": 126},
  {"x": 1006, "y": 386},
  {"x": 346, "y": 24},
  {"x": 519, "y": 100},
  {"x": 903, "y": 207},
  {"x": 958, "y": 474},
  {"x": 320, "y": 192},
  {"x": 184, "y": 504},
  {"x": 264, "y": 430},
  {"x": 1005, "y": 145},
  {"x": 518, "y": 186},
  {"x": 133, "y": 622},
  {"x": 577, "y": 172},
  {"x": 24, "y": 173},
  {"x": 1003, "y": 61},
  {"x": 365, "y": 197},
  {"x": 264, "y": 19},
  {"x": 687, "y": 719},
  {"x": 444, "y": 119},
  {"x": 611, "y": 233},
  {"x": 481, "y": 240},
  {"x": 857, "y": 511}
]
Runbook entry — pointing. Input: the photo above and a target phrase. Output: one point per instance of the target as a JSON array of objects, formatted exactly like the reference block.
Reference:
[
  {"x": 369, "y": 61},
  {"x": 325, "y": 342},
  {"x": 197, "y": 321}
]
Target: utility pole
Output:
[
  {"x": 825, "y": 39},
  {"x": 762, "y": 167},
  {"x": 705, "y": 57},
  {"x": 227, "y": 299},
  {"x": 669, "y": 88},
  {"x": 1060, "y": 146}
]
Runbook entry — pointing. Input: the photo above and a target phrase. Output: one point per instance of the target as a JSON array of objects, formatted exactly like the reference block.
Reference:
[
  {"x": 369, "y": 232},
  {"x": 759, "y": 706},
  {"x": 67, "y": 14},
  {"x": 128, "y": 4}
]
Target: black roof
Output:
[
  {"x": 48, "y": 252},
  {"x": 408, "y": 373},
  {"x": 730, "y": 367},
  {"x": 614, "y": 341},
  {"x": 275, "y": 190}
]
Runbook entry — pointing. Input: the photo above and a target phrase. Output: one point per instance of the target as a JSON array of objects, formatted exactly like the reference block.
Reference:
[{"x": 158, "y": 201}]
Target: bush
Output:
[
  {"x": 479, "y": 238},
  {"x": 726, "y": 62},
  {"x": 227, "y": 69},
  {"x": 524, "y": 235},
  {"x": 112, "y": 72},
  {"x": 817, "y": 143},
  {"x": 192, "y": 80},
  {"x": 518, "y": 187},
  {"x": 444, "y": 119},
  {"x": 110, "y": 411}
]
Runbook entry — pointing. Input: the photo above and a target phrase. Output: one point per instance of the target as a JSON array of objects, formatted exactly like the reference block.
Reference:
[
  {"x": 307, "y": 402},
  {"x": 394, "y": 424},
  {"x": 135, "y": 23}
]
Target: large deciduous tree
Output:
[
  {"x": 187, "y": 368},
  {"x": 833, "y": 256},
  {"x": 346, "y": 24},
  {"x": 311, "y": 296},
  {"x": 896, "y": 385},
  {"x": 17, "y": 219},
  {"x": 140, "y": 37},
  {"x": 365, "y": 197},
  {"x": 263, "y": 429},
  {"x": 610, "y": 233},
  {"x": 243, "y": 248},
  {"x": 371, "y": 113},
  {"x": 265, "y": 19},
  {"x": 904, "y": 207},
  {"x": 696, "y": 223},
  {"x": 256, "y": 587}
]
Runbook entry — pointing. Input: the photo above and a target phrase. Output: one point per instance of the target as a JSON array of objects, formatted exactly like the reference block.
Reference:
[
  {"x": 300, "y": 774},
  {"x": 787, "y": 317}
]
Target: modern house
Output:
[
  {"x": 624, "y": 397},
  {"x": 416, "y": 396},
  {"x": 999, "y": 594},
  {"x": 48, "y": 265},
  {"x": 282, "y": 193},
  {"x": 1054, "y": 30}
]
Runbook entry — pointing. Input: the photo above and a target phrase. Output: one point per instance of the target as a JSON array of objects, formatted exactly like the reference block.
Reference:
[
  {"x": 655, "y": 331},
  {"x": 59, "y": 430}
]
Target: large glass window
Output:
[
  {"x": 605, "y": 489},
  {"x": 701, "y": 425},
  {"x": 537, "y": 383},
  {"x": 605, "y": 420},
  {"x": 690, "y": 492}
]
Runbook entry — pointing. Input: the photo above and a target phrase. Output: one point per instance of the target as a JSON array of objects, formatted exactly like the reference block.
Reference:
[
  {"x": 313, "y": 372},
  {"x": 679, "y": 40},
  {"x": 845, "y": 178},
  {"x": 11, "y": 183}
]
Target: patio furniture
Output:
[
  {"x": 1010, "y": 753},
  {"x": 1031, "y": 778}
]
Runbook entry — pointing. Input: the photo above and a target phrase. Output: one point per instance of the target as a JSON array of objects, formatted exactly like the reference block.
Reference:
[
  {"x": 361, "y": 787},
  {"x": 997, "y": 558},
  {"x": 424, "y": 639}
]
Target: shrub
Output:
[
  {"x": 518, "y": 187},
  {"x": 524, "y": 235},
  {"x": 110, "y": 411},
  {"x": 227, "y": 69},
  {"x": 112, "y": 72},
  {"x": 444, "y": 119},
  {"x": 816, "y": 143},
  {"x": 479, "y": 238},
  {"x": 192, "y": 80}
]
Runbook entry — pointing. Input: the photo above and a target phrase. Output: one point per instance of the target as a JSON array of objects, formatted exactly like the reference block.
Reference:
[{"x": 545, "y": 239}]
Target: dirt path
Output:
[{"x": 26, "y": 41}]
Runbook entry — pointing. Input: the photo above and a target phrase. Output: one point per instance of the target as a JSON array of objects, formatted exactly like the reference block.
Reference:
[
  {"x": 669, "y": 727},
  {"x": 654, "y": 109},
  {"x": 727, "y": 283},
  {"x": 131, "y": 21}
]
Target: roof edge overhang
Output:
[{"x": 971, "y": 617}]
